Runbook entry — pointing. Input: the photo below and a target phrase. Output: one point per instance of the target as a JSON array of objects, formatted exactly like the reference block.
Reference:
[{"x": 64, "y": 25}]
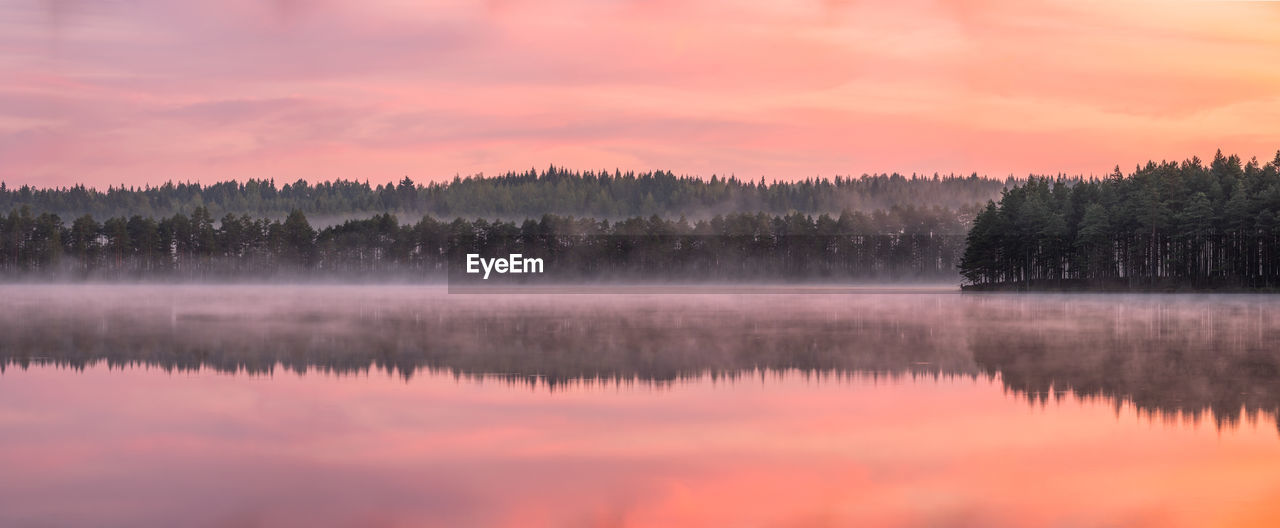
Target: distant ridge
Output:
[{"x": 529, "y": 194}]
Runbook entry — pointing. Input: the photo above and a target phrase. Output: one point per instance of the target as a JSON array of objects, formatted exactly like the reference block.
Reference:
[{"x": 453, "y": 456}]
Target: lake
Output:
[{"x": 251, "y": 405}]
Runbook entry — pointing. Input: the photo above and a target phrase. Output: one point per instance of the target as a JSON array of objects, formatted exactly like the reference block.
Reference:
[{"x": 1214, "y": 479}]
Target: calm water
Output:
[{"x": 394, "y": 406}]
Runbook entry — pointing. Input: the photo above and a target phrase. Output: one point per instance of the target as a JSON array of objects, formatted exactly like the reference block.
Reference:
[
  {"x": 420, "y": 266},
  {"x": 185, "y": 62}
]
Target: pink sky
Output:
[{"x": 109, "y": 92}]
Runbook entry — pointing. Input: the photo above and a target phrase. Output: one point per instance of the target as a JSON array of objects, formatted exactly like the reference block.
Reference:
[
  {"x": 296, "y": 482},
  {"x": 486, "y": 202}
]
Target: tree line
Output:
[
  {"x": 896, "y": 242},
  {"x": 1166, "y": 225},
  {"x": 555, "y": 190}
]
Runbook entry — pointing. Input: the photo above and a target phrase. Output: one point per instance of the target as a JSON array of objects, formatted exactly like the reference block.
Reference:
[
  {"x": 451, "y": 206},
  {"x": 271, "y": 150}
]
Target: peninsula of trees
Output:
[{"x": 1166, "y": 226}]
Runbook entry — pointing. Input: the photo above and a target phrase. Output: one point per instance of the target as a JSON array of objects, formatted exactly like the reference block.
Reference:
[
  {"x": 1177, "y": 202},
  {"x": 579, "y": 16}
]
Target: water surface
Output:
[{"x": 401, "y": 406}]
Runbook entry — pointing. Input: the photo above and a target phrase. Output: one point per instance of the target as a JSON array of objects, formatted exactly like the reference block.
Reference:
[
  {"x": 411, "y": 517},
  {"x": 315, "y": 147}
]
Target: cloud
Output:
[{"x": 136, "y": 91}]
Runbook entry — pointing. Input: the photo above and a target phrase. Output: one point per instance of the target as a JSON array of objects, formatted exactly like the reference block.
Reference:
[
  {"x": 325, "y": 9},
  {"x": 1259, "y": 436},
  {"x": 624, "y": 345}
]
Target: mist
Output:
[{"x": 1173, "y": 356}]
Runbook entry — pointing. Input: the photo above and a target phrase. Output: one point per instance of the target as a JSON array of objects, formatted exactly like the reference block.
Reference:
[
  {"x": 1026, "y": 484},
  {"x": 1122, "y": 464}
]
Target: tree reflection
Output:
[{"x": 1172, "y": 358}]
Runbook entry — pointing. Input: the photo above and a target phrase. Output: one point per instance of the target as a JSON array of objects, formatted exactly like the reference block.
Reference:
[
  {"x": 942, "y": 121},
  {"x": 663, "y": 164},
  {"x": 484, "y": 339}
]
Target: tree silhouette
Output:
[{"x": 1167, "y": 225}]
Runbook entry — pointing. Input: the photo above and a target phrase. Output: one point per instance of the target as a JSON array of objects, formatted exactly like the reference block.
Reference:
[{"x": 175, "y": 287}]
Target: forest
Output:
[
  {"x": 608, "y": 195},
  {"x": 1167, "y": 225},
  {"x": 899, "y": 242}
]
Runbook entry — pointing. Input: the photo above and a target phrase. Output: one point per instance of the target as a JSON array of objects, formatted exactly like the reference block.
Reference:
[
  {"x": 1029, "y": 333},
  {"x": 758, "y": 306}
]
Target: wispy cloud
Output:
[{"x": 148, "y": 90}]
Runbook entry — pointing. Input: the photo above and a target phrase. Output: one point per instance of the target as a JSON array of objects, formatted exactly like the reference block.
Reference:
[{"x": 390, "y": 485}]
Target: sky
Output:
[{"x": 110, "y": 92}]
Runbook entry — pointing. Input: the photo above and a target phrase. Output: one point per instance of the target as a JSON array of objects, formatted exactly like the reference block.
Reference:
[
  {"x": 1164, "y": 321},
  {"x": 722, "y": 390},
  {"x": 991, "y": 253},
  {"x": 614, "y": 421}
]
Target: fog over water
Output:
[
  {"x": 1200, "y": 355},
  {"x": 246, "y": 405}
]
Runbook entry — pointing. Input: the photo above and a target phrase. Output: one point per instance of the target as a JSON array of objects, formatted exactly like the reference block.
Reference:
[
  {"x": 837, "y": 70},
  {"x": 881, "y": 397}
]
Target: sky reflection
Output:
[
  {"x": 906, "y": 410},
  {"x": 149, "y": 447}
]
